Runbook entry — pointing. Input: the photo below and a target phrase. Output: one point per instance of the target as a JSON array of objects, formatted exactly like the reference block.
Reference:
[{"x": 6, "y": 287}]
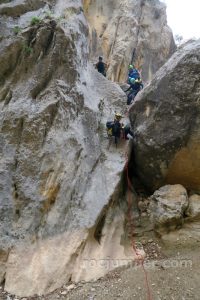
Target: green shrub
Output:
[
  {"x": 28, "y": 50},
  {"x": 16, "y": 30},
  {"x": 35, "y": 21}
]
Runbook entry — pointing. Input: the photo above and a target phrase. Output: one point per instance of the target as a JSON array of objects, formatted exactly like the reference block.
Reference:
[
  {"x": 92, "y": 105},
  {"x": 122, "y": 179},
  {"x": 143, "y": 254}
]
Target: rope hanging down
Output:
[{"x": 140, "y": 259}]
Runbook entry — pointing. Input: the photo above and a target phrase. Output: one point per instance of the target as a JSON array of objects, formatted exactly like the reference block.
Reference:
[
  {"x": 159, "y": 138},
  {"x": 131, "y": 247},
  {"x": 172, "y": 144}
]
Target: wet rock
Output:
[
  {"x": 168, "y": 205},
  {"x": 165, "y": 119}
]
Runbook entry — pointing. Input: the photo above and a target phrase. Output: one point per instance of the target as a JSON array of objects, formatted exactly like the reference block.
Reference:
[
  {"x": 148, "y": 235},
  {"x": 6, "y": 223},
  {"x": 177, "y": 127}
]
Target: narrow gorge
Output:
[{"x": 64, "y": 213}]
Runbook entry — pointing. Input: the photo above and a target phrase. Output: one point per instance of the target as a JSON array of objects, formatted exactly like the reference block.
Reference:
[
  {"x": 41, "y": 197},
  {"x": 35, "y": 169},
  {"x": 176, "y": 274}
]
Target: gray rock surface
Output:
[
  {"x": 167, "y": 206},
  {"x": 62, "y": 194},
  {"x": 129, "y": 31},
  {"x": 165, "y": 118},
  {"x": 58, "y": 171}
]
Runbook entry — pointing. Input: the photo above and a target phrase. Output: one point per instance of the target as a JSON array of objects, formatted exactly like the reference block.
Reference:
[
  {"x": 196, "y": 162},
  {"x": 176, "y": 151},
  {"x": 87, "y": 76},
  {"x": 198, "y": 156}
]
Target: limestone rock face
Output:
[
  {"x": 58, "y": 173},
  {"x": 129, "y": 31},
  {"x": 165, "y": 118},
  {"x": 167, "y": 206}
]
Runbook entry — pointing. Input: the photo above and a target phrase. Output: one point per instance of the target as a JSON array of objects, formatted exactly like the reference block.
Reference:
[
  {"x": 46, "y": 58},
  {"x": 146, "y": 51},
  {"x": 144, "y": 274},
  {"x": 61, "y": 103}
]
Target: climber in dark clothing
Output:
[
  {"x": 101, "y": 66},
  {"x": 114, "y": 128},
  {"x": 135, "y": 86}
]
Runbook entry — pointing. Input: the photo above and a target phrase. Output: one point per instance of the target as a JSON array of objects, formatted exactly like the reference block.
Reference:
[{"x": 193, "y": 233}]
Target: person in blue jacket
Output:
[
  {"x": 135, "y": 86},
  {"x": 133, "y": 73}
]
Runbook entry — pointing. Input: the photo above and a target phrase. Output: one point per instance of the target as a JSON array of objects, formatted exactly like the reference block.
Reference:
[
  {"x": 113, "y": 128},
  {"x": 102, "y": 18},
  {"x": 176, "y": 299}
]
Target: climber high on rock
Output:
[
  {"x": 135, "y": 86},
  {"x": 101, "y": 66},
  {"x": 133, "y": 73}
]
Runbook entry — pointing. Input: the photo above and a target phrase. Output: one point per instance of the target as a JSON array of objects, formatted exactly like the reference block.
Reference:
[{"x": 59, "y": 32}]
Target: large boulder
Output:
[
  {"x": 193, "y": 212},
  {"x": 58, "y": 173},
  {"x": 166, "y": 121},
  {"x": 131, "y": 31},
  {"x": 167, "y": 206}
]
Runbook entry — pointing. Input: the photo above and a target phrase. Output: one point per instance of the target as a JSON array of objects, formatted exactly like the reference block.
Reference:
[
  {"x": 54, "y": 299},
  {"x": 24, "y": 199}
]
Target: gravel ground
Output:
[{"x": 175, "y": 276}]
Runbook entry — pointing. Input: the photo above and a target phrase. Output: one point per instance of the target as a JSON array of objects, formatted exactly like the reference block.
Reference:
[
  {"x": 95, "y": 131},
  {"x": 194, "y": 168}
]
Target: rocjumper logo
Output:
[{"x": 109, "y": 263}]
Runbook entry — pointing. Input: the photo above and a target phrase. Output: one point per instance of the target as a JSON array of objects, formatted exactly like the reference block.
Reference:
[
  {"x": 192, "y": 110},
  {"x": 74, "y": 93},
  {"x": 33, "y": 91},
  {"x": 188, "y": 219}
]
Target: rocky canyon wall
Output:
[
  {"x": 62, "y": 190},
  {"x": 58, "y": 172},
  {"x": 129, "y": 31}
]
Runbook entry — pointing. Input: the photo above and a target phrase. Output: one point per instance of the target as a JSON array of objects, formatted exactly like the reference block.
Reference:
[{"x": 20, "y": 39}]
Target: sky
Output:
[{"x": 184, "y": 17}]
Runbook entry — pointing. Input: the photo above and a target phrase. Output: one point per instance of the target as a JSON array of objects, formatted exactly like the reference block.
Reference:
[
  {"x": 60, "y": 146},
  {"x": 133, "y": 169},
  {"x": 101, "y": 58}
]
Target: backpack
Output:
[
  {"x": 133, "y": 74},
  {"x": 113, "y": 128},
  {"x": 109, "y": 127}
]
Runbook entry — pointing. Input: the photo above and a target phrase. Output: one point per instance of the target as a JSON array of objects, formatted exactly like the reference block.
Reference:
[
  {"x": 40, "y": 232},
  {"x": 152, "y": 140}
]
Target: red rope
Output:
[{"x": 132, "y": 230}]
